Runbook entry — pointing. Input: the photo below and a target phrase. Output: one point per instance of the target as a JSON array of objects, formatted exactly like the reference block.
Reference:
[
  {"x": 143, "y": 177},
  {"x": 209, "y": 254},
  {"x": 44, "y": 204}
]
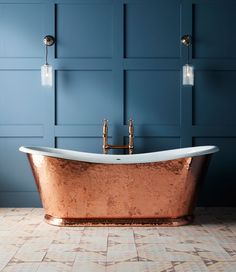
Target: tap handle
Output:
[
  {"x": 105, "y": 126},
  {"x": 131, "y": 126},
  {"x": 131, "y": 136}
]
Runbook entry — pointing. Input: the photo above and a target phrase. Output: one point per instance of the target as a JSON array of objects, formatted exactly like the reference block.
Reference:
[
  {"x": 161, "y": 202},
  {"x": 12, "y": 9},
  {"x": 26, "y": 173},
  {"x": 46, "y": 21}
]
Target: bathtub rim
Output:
[{"x": 149, "y": 157}]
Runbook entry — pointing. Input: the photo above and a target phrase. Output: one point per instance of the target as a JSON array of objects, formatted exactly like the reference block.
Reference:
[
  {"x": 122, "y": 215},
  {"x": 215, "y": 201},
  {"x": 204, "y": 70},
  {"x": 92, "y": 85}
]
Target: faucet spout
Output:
[{"x": 107, "y": 146}]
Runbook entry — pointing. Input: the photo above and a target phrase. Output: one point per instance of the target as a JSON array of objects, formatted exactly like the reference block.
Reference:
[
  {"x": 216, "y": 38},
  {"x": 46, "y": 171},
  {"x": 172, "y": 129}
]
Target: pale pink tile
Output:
[
  {"x": 21, "y": 267},
  {"x": 89, "y": 266},
  {"x": 54, "y": 267}
]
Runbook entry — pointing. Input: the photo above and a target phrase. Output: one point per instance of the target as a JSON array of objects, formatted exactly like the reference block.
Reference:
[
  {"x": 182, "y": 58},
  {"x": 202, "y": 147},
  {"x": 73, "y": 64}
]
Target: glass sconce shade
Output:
[
  {"x": 46, "y": 75},
  {"x": 188, "y": 75}
]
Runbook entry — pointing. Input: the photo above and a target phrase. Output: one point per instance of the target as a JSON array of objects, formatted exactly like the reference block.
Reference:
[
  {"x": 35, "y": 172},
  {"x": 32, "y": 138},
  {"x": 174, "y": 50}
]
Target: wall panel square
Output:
[
  {"x": 153, "y": 97},
  {"x": 214, "y": 98},
  {"x": 22, "y": 29},
  {"x": 153, "y": 144},
  {"x": 22, "y": 99},
  {"x": 15, "y": 171},
  {"x": 152, "y": 29},
  {"x": 219, "y": 185},
  {"x": 88, "y": 144},
  {"x": 214, "y": 29},
  {"x": 84, "y": 30},
  {"x": 85, "y": 97}
]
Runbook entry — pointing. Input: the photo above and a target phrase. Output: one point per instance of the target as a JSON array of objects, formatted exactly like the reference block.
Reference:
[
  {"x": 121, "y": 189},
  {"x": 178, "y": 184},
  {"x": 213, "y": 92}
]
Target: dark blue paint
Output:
[
  {"x": 148, "y": 144},
  {"x": 217, "y": 29},
  {"x": 147, "y": 95},
  {"x": 22, "y": 100},
  {"x": 220, "y": 186},
  {"x": 21, "y": 28},
  {"x": 115, "y": 60},
  {"x": 145, "y": 35},
  {"x": 79, "y": 95},
  {"x": 88, "y": 144},
  {"x": 84, "y": 31},
  {"x": 212, "y": 90}
]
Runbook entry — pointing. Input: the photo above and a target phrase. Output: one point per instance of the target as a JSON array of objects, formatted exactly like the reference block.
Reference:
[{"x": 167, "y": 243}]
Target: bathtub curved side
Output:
[{"x": 77, "y": 193}]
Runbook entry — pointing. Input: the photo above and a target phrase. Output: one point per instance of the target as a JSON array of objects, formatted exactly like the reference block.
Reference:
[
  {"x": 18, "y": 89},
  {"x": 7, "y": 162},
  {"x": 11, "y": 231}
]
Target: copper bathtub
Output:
[{"x": 158, "y": 188}]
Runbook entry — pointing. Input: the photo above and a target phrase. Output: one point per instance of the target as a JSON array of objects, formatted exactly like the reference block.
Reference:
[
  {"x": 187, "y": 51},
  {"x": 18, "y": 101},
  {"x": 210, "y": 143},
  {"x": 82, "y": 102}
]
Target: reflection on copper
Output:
[{"x": 77, "y": 193}]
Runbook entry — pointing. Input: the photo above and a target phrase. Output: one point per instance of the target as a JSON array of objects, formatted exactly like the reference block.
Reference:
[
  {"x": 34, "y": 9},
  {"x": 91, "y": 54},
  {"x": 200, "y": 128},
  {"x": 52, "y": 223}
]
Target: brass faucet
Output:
[{"x": 129, "y": 146}]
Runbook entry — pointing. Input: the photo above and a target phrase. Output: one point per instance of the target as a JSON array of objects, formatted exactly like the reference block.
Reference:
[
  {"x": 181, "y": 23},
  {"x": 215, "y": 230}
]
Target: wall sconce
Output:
[
  {"x": 188, "y": 70},
  {"x": 46, "y": 69}
]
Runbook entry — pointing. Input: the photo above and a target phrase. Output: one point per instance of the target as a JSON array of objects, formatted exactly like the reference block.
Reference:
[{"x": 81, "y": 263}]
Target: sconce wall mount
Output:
[
  {"x": 49, "y": 40},
  {"x": 186, "y": 40}
]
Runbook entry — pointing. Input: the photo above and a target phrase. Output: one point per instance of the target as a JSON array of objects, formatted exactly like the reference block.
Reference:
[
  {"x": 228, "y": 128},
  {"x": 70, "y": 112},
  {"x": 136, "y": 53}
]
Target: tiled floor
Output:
[{"x": 28, "y": 244}]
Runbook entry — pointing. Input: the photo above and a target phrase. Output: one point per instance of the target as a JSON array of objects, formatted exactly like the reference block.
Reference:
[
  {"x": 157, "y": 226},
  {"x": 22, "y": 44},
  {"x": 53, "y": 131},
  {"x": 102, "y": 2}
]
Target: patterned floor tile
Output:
[
  {"x": 44, "y": 242},
  {"x": 154, "y": 239},
  {"x": 222, "y": 267},
  {"x": 93, "y": 243},
  {"x": 159, "y": 253},
  {"x": 190, "y": 266},
  {"x": 54, "y": 267},
  {"x": 6, "y": 254},
  {"x": 140, "y": 267},
  {"x": 198, "y": 239},
  {"x": 140, "y": 232},
  {"x": 89, "y": 267},
  {"x": 61, "y": 253},
  {"x": 94, "y": 232},
  {"x": 21, "y": 267},
  {"x": 95, "y": 246},
  {"x": 22, "y": 232},
  {"x": 27, "y": 243},
  {"x": 11, "y": 240},
  {"x": 220, "y": 231},
  {"x": 17, "y": 211},
  {"x": 44, "y": 226},
  {"x": 230, "y": 248},
  {"x": 90, "y": 256},
  {"x": 5, "y": 233},
  {"x": 37, "y": 212},
  {"x": 216, "y": 256},
  {"x": 183, "y": 232},
  {"x": 9, "y": 224},
  {"x": 64, "y": 236},
  {"x": 210, "y": 247},
  {"x": 30, "y": 253},
  {"x": 112, "y": 240},
  {"x": 120, "y": 236},
  {"x": 113, "y": 231},
  {"x": 44, "y": 234},
  {"x": 226, "y": 239},
  {"x": 122, "y": 253},
  {"x": 179, "y": 247}
]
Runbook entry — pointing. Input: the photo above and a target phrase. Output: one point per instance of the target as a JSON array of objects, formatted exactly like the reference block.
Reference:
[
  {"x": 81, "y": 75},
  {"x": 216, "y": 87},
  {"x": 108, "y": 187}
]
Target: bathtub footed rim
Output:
[
  {"x": 150, "y": 157},
  {"x": 119, "y": 222}
]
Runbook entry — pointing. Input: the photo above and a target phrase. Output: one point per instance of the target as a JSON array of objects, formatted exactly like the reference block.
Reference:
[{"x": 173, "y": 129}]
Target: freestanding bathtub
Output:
[{"x": 158, "y": 188}]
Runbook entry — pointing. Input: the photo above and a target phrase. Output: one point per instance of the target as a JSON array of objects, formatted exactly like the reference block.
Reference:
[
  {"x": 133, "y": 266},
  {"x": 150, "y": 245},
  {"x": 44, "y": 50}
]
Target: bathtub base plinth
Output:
[{"x": 122, "y": 222}]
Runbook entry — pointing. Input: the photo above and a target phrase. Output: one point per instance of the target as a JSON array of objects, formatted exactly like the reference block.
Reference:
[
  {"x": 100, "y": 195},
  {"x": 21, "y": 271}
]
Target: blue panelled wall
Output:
[{"x": 117, "y": 59}]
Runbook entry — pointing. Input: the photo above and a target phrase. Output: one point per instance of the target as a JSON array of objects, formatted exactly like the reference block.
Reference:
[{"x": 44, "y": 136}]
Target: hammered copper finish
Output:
[{"x": 82, "y": 193}]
